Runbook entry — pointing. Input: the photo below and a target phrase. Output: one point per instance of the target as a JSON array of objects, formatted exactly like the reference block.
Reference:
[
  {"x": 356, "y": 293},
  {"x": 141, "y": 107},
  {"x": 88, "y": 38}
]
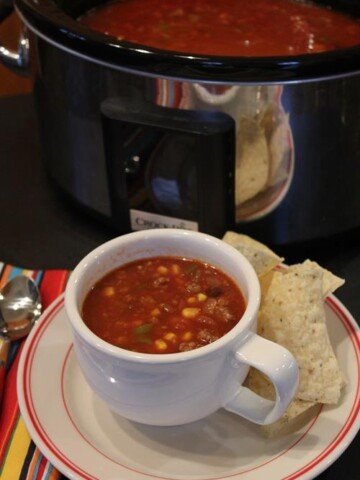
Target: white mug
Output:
[{"x": 177, "y": 388}]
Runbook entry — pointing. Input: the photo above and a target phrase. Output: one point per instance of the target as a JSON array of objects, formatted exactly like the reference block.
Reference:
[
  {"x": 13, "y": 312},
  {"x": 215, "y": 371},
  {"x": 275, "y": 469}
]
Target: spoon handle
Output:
[{"x": 4, "y": 351}]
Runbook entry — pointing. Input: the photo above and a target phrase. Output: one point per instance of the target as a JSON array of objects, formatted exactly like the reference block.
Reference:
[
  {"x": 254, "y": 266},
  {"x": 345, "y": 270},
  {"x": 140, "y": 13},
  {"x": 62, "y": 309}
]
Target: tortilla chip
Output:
[
  {"x": 330, "y": 281},
  {"x": 259, "y": 255},
  {"x": 260, "y": 384},
  {"x": 252, "y": 160},
  {"x": 270, "y": 118},
  {"x": 293, "y": 315},
  {"x": 235, "y": 238},
  {"x": 281, "y": 174},
  {"x": 298, "y": 413},
  {"x": 265, "y": 281},
  {"x": 278, "y": 146}
]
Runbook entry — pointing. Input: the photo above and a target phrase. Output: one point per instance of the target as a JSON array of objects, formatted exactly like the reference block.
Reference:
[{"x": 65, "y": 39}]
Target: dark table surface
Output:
[{"x": 40, "y": 229}]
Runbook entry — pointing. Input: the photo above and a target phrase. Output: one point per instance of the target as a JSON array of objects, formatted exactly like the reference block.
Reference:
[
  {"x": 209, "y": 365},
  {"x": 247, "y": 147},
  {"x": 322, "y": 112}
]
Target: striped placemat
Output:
[{"x": 20, "y": 459}]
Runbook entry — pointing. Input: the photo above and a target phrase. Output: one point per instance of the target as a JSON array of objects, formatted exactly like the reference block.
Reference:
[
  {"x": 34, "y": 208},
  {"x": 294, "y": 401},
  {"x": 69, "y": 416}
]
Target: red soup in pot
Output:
[
  {"x": 163, "y": 305},
  {"x": 227, "y": 27}
]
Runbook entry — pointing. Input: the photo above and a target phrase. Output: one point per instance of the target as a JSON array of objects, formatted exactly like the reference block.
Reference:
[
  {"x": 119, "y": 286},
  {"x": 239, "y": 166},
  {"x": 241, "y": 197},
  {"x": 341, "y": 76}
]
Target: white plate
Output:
[{"x": 85, "y": 440}]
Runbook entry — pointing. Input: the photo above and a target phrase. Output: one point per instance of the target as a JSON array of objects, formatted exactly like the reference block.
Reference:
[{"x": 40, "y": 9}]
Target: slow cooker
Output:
[{"x": 145, "y": 138}]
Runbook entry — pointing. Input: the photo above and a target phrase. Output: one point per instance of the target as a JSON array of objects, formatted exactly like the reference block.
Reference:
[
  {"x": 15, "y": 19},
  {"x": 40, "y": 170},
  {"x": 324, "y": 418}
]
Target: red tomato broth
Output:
[
  {"x": 163, "y": 305},
  {"x": 227, "y": 27}
]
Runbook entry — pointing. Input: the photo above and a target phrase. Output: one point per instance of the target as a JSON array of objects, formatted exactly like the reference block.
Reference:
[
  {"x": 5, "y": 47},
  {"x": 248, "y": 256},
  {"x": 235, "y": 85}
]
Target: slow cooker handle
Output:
[{"x": 16, "y": 61}]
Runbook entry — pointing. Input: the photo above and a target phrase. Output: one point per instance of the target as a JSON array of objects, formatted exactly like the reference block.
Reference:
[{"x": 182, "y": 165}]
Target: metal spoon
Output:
[{"x": 20, "y": 307}]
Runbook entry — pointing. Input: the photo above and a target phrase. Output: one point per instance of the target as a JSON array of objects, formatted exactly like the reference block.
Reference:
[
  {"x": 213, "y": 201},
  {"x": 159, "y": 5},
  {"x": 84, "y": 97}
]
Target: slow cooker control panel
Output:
[{"x": 169, "y": 168}]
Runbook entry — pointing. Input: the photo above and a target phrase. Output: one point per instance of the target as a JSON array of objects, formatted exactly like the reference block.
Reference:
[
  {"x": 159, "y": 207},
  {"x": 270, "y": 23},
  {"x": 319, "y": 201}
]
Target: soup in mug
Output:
[
  {"x": 227, "y": 27},
  {"x": 163, "y": 305}
]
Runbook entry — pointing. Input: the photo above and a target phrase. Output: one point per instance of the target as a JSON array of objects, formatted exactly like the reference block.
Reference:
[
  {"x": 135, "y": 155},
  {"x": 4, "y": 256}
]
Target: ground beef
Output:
[
  {"x": 161, "y": 281},
  {"x": 205, "y": 321},
  {"x": 206, "y": 336},
  {"x": 193, "y": 288},
  {"x": 210, "y": 305},
  {"x": 187, "y": 346},
  {"x": 224, "y": 314}
]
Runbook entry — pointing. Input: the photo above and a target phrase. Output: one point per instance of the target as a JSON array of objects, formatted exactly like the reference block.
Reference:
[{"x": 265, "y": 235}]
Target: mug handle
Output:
[{"x": 279, "y": 365}]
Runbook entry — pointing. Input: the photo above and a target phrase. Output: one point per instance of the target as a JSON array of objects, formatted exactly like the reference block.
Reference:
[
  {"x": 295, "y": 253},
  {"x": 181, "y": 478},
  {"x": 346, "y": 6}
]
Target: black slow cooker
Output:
[{"x": 147, "y": 138}]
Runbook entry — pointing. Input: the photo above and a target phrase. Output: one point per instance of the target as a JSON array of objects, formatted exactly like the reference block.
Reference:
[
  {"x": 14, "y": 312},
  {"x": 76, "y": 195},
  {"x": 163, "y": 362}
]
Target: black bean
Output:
[{"x": 213, "y": 292}]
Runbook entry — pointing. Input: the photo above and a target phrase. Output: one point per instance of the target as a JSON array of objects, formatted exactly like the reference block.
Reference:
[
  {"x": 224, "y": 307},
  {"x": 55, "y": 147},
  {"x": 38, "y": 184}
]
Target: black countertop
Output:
[{"x": 40, "y": 229}]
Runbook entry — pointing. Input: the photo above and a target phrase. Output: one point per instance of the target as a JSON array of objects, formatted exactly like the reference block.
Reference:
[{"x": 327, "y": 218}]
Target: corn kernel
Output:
[
  {"x": 109, "y": 291},
  {"x": 190, "y": 312},
  {"x": 160, "y": 344},
  {"x": 187, "y": 336},
  {"x": 155, "y": 312},
  {"x": 162, "y": 270},
  {"x": 201, "y": 297},
  {"x": 191, "y": 300},
  {"x": 175, "y": 269},
  {"x": 170, "y": 336}
]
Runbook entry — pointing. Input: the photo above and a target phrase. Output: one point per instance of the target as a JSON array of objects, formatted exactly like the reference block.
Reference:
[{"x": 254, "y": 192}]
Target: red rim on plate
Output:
[{"x": 46, "y": 444}]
